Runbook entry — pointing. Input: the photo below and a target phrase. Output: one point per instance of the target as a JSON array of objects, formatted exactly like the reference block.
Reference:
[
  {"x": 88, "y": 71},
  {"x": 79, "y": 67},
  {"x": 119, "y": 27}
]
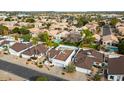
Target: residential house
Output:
[
  {"x": 85, "y": 59},
  {"x": 92, "y": 27},
  {"x": 120, "y": 28},
  {"x": 61, "y": 56},
  {"x": 73, "y": 37},
  {"x": 18, "y": 47},
  {"x": 37, "y": 51},
  {"x": 116, "y": 68},
  {"x": 107, "y": 37}
]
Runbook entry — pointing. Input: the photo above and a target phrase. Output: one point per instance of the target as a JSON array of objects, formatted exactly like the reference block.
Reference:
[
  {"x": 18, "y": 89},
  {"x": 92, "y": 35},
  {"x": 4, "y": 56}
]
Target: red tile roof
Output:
[
  {"x": 116, "y": 65},
  {"x": 37, "y": 50},
  {"x": 63, "y": 55},
  {"x": 20, "y": 46},
  {"x": 86, "y": 58}
]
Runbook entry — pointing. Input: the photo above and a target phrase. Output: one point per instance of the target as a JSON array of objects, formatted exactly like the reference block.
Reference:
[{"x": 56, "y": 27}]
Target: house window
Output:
[{"x": 111, "y": 77}]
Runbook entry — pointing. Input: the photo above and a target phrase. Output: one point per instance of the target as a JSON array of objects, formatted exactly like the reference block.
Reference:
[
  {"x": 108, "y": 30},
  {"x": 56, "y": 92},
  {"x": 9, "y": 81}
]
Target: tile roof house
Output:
[
  {"x": 120, "y": 28},
  {"x": 38, "y": 50},
  {"x": 116, "y": 68},
  {"x": 92, "y": 26},
  {"x": 60, "y": 57},
  {"x": 85, "y": 59},
  {"x": 73, "y": 36},
  {"x": 107, "y": 37},
  {"x": 18, "y": 48}
]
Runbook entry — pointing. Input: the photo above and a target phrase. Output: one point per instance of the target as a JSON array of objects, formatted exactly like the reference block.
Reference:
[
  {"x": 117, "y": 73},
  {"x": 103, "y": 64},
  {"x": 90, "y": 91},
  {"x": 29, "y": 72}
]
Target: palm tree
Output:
[{"x": 34, "y": 41}]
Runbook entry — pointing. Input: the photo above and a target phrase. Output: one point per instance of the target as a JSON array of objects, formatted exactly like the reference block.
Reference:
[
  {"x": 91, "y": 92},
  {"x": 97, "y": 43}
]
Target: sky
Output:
[{"x": 61, "y": 5}]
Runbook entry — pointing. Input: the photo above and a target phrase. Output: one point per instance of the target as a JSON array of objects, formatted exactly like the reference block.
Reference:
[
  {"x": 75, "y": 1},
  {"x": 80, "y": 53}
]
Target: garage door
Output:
[{"x": 58, "y": 64}]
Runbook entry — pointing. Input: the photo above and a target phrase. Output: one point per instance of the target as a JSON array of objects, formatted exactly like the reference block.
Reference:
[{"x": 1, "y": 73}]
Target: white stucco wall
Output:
[
  {"x": 61, "y": 63},
  {"x": 25, "y": 56},
  {"x": 14, "y": 52},
  {"x": 69, "y": 58},
  {"x": 83, "y": 70},
  {"x": 58, "y": 63}
]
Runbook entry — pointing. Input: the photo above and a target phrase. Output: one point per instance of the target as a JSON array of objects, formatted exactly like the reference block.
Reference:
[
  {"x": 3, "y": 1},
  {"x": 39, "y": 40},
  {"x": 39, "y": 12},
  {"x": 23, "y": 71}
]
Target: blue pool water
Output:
[
  {"x": 112, "y": 48},
  {"x": 57, "y": 41}
]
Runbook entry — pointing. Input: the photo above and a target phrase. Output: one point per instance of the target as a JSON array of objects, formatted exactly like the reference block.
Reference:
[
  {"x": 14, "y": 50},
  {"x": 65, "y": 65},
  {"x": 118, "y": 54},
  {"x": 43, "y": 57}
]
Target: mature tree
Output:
[
  {"x": 34, "y": 40},
  {"x": 16, "y": 30},
  {"x": 16, "y": 37},
  {"x": 24, "y": 31},
  {"x": 7, "y": 19},
  {"x": 4, "y": 30},
  {"x": 121, "y": 47},
  {"x": 44, "y": 37},
  {"x": 26, "y": 37},
  {"x": 81, "y": 21},
  {"x": 30, "y": 20},
  {"x": 114, "y": 21},
  {"x": 101, "y": 23},
  {"x": 88, "y": 37}
]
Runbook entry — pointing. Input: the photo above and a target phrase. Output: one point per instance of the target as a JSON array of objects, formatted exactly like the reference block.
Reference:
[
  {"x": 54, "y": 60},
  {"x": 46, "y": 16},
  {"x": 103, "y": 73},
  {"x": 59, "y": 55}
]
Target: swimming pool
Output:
[
  {"x": 57, "y": 41},
  {"x": 112, "y": 48}
]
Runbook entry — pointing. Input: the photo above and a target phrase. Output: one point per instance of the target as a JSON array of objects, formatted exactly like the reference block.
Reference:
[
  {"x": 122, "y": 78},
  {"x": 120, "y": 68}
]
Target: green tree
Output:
[
  {"x": 88, "y": 39},
  {"x": 7, "y": 19},
  {"x": 30, "y": 20},
  {"x": 16, "y": 37},
  {"x": 114, "y": 21},
  {"x": 121, "y": 47},
  {"x": 101, "y": 23},
  {"x": 16, "y": 30},
  {"x": 26, "y": 37},
  {"x": 44, "y": 37},
  {"x": 24, "y": 31},
  {"x": 34, "y": 41},
  {"x": 70, "y": 68},
  {"x": 4, "y": 30},
  {"x": 81, "y": 21}
]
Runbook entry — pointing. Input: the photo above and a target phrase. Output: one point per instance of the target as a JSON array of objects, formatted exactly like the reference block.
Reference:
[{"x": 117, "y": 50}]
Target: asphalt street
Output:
[{"x": 25, "y": 72}]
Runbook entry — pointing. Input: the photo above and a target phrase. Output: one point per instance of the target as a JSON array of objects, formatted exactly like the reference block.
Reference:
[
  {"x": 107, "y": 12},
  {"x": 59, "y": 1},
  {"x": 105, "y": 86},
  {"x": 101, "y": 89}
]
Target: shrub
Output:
[
  {"x": 70, "y": 68},
  {"x": 40, "y": 66},
  {"x": 97, "y": 77},
  {"x": 41, "y": 78}
]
